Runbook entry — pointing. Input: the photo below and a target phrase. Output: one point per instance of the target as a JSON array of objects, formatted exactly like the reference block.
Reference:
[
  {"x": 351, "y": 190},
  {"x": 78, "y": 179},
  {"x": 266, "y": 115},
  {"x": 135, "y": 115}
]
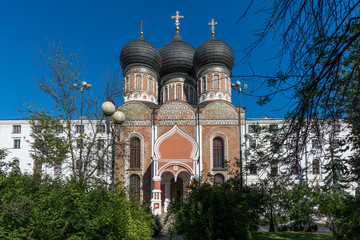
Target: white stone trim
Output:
[{"x": 171, "y": 132}]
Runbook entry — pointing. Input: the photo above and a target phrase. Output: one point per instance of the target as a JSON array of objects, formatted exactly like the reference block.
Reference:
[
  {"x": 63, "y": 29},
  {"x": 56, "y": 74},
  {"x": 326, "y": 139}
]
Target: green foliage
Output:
[
  {"x": 220, "y": 211},
  {"x": 44, "y": 208},
  {"x": 343, "y": 214},
  {"x": 47, "y": 147}
]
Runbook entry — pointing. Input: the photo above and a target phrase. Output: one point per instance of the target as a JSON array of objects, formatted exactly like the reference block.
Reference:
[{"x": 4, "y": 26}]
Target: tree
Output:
[
  {"x": 62, "y": 71},
  {"x": 48, "y": 146}
]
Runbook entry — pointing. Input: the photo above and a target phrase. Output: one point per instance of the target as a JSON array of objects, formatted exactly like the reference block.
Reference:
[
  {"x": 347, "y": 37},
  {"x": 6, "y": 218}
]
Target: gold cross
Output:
[
  {"x": 177, "y": 17},
  {"x": 141, "y": 25},
  {"x": 212, "y": 23}
]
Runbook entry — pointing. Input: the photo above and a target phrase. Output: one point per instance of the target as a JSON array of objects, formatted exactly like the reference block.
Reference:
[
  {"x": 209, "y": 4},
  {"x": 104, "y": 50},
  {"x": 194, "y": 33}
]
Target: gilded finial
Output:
[
  {"x": 212, "y": 23},
  {"x": 177, "y": 23},
  {"x": 141, "y": 26}
]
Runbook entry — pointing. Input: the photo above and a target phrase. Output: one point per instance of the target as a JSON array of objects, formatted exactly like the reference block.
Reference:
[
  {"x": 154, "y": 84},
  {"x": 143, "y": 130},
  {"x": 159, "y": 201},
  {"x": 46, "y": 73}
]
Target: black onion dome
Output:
[
  {"x": 140, "y": 52},
  {"x": 214, "y": 52},
  {"x": 177, "y": 56}
]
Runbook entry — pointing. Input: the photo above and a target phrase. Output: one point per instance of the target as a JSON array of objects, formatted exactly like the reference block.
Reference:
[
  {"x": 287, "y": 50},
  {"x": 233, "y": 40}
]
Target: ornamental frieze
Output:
[{"x": 176, "y": 111}]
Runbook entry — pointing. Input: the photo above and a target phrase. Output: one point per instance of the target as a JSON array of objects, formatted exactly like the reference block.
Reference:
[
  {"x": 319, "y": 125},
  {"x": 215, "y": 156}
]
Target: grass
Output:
[{"x": 292, "y": 235}]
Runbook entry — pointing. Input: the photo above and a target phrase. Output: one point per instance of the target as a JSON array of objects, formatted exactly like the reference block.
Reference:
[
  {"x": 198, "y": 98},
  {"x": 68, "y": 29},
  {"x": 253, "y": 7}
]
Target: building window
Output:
[
  {"x": 100, "y": 168},
  {"x": 315, "y": 144},
  {"x": 219, "y": 178},
  {"x": 226, "y": 84},
  {"x": 335, "y": 143},
  {"x": 16, "y": 129},
  {"x": 77, "y": 165},
  {"x": 57, "y": 168},
  {"x": 135, "y": 153},
  {"x": 15, "y": 165},
  {"x": 294, "y": 168},
  {"x": 59, "y": 129},
  {"x": 16, "y": 143},
  {"x": 191, "y": 94},
  {"x": 252, "y": 143},
  {"x": 150, "y": 84},
  {"x": 336, "y": 127},
  {"x": 218, "y": 152},
  {"x": 37, "y": 167},
  {"x": 253, "y": 169},
  {"x": 79, "y": 128},
  {"x": 316, "y": 166},
  {"x": 138, "y": 82},
  {"x": 216, "y": 82},
  {"x": 101, "y": 128},
  {"x": 166, "y": 94},
  {"x": 178, "y": 92},
  {"x": 292, "y": 143},
  {"x": 79, "y": 143},
  {"x": 204, "y": 83},
  {"x": 274, "y": 168},
  {"x": 135, "y": 187},
  {"x": 253, "y": 128},
  {"x": 100, "y": 144}
]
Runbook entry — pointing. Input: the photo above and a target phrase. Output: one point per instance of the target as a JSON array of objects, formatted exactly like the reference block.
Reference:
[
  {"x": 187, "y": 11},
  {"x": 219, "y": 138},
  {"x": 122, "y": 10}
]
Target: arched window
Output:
[
  {"x": 15, "y": 165},
  {"x": 218, "y": 152},
  {"x": 219, "y": 178},
  {"x": 316, "y": 166},
  {"x": 135, "y": 153},
  {"x": 166, "y": 94},
  {"x": 178, "y": 92},
  {"x": 204, "y": 83},
  {"x": 216, "y": 81},
  {"x": 135, "y": 187},
  {"x": 37, "y": 167},
  {"x": 138, "y": 82},
  {"x": 100, "y": 167}
]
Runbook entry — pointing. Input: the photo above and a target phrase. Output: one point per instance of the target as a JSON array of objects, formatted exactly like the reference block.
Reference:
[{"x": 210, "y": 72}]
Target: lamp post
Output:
[
  {"x": 237, "y": 86},
  {"x": 84, "y": 86},
  {"x": 109, "y": 109}
]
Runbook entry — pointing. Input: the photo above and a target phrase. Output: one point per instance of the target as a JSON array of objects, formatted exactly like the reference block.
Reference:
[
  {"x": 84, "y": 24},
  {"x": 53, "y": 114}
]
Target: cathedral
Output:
[{"x": 180, "y": 122}]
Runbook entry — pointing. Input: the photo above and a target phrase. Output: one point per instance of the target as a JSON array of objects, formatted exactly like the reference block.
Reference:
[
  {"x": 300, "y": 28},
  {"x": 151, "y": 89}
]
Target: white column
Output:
[{"x": 167, "y": 196}]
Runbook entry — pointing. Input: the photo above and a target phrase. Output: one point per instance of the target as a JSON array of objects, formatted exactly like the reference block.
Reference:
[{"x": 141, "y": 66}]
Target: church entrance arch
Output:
[{"x": 173, "y": 187}]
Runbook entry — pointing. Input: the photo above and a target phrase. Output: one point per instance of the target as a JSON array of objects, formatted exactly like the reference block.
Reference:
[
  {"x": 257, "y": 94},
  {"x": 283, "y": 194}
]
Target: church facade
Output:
[{"x": 180, "y": 122}]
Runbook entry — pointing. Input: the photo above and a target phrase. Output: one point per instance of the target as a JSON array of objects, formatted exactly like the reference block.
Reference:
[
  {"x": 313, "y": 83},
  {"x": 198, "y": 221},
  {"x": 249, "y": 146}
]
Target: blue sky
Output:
[{"x": 99, "y": 30}]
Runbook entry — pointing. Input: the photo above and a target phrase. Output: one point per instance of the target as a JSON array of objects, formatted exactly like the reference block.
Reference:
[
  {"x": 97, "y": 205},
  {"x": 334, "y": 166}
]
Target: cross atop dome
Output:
[
  {"x": 177, "y": 22},
  {"x": 141, "y": 27},
  {"x": 212, "y": 23}
]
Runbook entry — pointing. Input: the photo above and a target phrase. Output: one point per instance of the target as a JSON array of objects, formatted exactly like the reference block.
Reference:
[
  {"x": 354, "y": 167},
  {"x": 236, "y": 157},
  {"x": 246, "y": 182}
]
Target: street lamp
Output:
[
  {"x": 109, "y": 109},
  {"x": 237, "y": 86},
  {"x": 84, "y": 86}
]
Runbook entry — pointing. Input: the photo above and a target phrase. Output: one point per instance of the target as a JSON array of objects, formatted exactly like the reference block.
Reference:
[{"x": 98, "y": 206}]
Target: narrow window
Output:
[
  {"x": 219, "y": 178},
  {"x": 252, "y": 128},
  {"x": 178, "y": 92},
  {"x": 335, "y": 143},
  {"x": 218, "y": 152},
  {"x": 77, "y": 165},
  {"x": 191, "y": 94},
  {"x": 135, "y": 153},
  {"x": 253, "y": 169},
  {"x": 204, "y": 83},
  {"x": 16, "y": 143},
  {"x": 16, "y": 128},
  {"x": 135, "y": 187},
  {"x": 226, "y": 84},
  {"x": 316, "y": 166},
  {"x": 336, "y": 127},
  {"x": 166, "y": 94},
  {"x": 216, "y": 82},
  {"x": 100, "y": 144},
  {"x": 138, "y": 82}
]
